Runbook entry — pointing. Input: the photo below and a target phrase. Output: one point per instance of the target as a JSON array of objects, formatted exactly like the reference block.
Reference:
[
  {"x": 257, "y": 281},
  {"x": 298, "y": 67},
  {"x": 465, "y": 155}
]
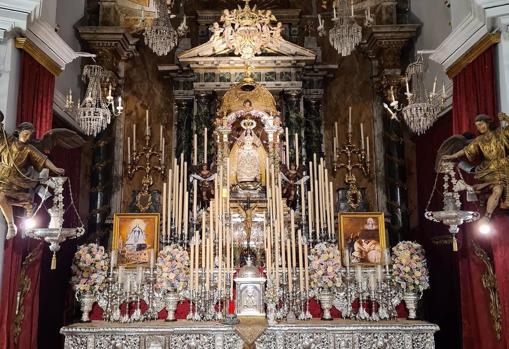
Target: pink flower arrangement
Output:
[
  {"x": 90, "y": 269},
  {"x": 409, "y": 267},
  {"x": 172, "y": 268},
  {"x": 325, "y": 267}
]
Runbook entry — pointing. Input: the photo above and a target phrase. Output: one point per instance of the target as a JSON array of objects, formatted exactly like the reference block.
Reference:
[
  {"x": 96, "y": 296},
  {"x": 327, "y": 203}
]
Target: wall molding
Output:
[
  {"x": 475, "y": 51},
  {"x": 17, "y": 14},
  {"x": 47, "y": 47},
  {"x": 482, "y": 20}
]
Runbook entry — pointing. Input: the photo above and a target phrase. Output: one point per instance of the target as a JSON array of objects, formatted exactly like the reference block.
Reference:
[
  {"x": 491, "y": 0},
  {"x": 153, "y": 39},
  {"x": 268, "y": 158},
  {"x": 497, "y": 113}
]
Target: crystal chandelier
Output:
[
  {"x": 423, "y": 107},
  {"x": 346, "y": 34},
  {"x": 93, "y": 114},
  {"x": 161, "y": 37}
]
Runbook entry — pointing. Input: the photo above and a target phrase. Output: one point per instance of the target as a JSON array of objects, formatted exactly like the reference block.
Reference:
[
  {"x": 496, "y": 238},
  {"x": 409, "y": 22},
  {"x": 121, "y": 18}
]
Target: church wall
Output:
[
  {"x": 68, "y": 13},
  {"x": 351, "y": 86},
  {"x": 144, "y": 88}
]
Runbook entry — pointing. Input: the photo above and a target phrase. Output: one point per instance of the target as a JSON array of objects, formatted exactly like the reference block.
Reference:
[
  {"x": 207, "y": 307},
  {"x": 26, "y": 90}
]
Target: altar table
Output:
[{"x": 316, "y": 334}]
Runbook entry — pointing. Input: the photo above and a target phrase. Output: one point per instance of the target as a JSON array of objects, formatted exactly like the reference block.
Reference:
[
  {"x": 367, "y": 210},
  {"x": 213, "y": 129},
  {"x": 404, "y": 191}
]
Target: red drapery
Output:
[
  {"x": 474, "y": 93},
  {"x": 56, "y": 298},
  {"x": 35, "y": 99},
  {"x": 442, "y": 301},
  {"x": 18, "y": 329}
]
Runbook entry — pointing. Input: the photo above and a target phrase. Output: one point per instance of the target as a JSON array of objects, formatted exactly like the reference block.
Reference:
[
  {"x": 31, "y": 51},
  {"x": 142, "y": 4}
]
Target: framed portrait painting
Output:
[
  {"x": 363, "y": 234},
  {"x": 134, "y": 236}
]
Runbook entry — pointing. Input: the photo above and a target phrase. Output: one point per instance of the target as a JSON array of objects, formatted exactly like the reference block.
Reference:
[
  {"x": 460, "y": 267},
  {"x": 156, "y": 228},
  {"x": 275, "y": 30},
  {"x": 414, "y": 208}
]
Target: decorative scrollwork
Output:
[{"x": 489, "y": 282}]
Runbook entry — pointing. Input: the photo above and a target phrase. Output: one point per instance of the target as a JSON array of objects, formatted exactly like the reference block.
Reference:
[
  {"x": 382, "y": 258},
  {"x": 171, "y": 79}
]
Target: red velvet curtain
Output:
[
  {"x": 474, "y": 93},
  {"x": 35, "y": 99},
  {"x": 441, "y": 303},
  {"x": 22, "y": 260}
]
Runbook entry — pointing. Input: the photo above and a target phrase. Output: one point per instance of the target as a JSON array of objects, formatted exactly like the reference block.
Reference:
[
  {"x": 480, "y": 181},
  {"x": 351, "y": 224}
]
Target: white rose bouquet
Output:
[
  {"x": 410, "y": 269},
  {"x": 90, "y": 269},
  {"x": 324, "y": 267},
  {"x": 172, "y": 268}
]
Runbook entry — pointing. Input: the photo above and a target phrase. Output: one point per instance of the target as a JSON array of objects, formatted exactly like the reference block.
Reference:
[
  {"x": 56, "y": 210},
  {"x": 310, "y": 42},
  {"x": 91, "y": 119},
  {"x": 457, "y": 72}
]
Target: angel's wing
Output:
[
  {"x": 283, "y": 177},
  {"x": 302, "y": 180},
  {"x": 452, "y": 145},
  {"x": 61, "y": 137},
  {"x": 200, "y": 178}
]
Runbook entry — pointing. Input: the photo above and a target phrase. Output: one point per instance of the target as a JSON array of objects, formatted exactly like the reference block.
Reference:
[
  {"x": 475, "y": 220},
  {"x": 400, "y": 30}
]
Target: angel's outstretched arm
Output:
[
  {"x": 454, "y": 156},
  {"x": 51, "y": 166}
]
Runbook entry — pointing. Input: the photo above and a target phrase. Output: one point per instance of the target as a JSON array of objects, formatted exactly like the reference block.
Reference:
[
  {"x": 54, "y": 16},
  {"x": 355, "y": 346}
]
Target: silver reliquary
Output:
[{"x": 250, "y": 291}]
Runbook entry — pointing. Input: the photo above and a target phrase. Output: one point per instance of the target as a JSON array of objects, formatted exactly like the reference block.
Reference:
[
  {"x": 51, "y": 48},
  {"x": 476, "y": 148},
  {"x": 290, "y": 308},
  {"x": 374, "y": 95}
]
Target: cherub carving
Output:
[
  {"x": 204, "y": 176},
  {"x": 292, "y": 178}
]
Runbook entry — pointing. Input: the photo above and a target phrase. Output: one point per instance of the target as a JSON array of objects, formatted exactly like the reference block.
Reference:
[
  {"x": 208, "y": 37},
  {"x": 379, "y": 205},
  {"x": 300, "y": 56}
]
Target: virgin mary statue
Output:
[{"x": 248, "y": 159}]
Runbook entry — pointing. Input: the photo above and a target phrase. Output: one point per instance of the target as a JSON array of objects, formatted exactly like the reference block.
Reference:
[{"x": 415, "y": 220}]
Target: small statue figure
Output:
[
  {"x": 216, "y": 32},
  {"x": 248, "y": 210},
  {"x": 488, "y": 152},
  {"x": 204, "y": 176},
  {"x": 277, "y": 32},
  {"x": 292, "y": 177},
  {"x": 21, "y": 158}
]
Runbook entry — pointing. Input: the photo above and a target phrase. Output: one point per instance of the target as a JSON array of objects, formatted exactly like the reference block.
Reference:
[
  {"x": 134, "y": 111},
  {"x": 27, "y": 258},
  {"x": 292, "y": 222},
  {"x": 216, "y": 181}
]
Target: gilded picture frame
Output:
[
  {"x": 363, "y": 233},
  {"x": 134, "y": 236}
]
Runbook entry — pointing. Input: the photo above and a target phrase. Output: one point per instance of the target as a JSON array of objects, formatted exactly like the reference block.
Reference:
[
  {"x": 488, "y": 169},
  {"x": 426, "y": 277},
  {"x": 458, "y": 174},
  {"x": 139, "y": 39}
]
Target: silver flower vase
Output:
[
  {"x": 326, "y": 297},
  {"x": 87, "y": 301},
  {"x": 411, "y": 299},
  {"x": 171, "y": 301}
]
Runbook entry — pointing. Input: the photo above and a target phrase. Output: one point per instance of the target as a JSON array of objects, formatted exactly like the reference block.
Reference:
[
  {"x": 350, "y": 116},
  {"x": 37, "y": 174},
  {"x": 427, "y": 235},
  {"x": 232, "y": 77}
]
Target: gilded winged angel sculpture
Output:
[
  {"x": 488, "y": 155},
  {"x": 21, "y": 160}
]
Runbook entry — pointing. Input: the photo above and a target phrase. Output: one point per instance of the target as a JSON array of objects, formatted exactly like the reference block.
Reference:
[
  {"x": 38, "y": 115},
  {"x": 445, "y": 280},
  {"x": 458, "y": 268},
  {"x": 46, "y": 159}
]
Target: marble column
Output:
[
  {"x": 203, "y": 119},
  {"x": 101, "y": 183},
  {"x": 384, "y": 46},
  {"x": 293, "y": 117},
  {"x": 184, "y": 134},
  {"x": 313, "y": 137}
]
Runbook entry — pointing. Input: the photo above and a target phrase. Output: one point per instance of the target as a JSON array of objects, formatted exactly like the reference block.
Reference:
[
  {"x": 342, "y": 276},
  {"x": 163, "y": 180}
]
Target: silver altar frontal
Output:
[
  {"x": 250, "y": 291},
  {"x": 336, "y": 334}
]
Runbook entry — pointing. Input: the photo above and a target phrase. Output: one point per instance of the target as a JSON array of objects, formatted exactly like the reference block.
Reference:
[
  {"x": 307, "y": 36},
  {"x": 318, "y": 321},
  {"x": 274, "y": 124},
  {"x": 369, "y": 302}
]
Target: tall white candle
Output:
[
  {"x": 435, "y": 85},
  {"x": 301, "y": 264},
  {"x": 358, "y": 273},
  {"x": 129, "y": 150},
  {"x": 162, "y": 151},
  {"x": 161, "y": 144},
  {"x": 205, "y": 135},
  {"x": 367, "y": 147},
  {"x": 147, "y": 124},
  {"x": 163, "y": 233},
  {"x": 195, "y": 149},
  {"x": 297, "y": 150},
  {"x": 362, "y": 136},
  {"x": 134, "y": 137},
  {"x": 287, "y": 148},
  {"x": 350, "y": 119},
  {"x": 407, "y": 86},
  {"x": 306, "y": 267}
]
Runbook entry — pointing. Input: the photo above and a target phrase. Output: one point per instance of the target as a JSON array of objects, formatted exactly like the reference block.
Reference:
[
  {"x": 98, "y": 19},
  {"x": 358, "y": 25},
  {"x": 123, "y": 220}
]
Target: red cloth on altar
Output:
[{"x": 35, "y": 105}]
